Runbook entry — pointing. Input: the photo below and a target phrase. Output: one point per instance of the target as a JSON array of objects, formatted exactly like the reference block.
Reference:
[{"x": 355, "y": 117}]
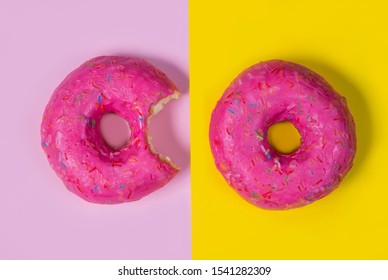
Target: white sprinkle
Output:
[{"x": 276, "y": 160}]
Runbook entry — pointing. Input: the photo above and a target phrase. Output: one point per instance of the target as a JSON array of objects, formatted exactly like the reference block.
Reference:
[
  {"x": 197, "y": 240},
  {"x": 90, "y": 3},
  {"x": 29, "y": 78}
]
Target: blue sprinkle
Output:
[
  {"x": 45, "y": 144},
  {"x": 252, "y": 104},
  {"x": 141, "y": 119},
  {"x": 236, "y": 101},
  {"x": 63, "y": 165},
  {"x": 121, "y": 187},
  {"x": 310, "y": 196},
  {"x": 268, "y": 155},
  {"x": 99, "y": 98},
  {"x": 87, "y": 120},
  {"x": 95, "y": 187},
  {"x": 108, "y": 78},
  {"x": 328, "y": 186},
  {"x": 231, "y": 111}
]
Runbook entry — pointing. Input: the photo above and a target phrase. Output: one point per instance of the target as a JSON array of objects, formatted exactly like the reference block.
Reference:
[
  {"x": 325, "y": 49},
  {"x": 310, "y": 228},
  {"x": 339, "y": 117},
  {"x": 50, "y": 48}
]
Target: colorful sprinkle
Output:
[
  {"x": 231, "y": 111},
  {"x": 310, "y": 196},
  {"x": 266, "y": 152},
  {"x": 319, "y": 181},
  {"x": 276, "y": 160},
  {"x": 259, "y": 135},
  {"x": 45, "y": 144},
  {"x": 91, "y": 170}
]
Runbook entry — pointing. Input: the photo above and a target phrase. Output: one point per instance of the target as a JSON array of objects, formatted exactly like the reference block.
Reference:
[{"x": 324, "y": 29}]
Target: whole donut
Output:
[
  {"x": 271, "y": 92},
  {"x": 70, "y": 130}
]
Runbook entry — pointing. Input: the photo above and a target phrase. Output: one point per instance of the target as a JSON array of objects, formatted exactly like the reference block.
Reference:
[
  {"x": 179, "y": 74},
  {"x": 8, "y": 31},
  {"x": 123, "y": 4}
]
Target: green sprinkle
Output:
[
  {"x": 259, "y": 135},
  {"x": 254, "y": 195},
  {"x": 93, "y": 123}
]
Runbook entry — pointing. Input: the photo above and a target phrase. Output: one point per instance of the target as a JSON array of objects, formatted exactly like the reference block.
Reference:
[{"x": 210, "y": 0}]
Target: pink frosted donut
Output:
[
  {"x": 70, "y": 130},
  {"x": 267, "y": 93}
]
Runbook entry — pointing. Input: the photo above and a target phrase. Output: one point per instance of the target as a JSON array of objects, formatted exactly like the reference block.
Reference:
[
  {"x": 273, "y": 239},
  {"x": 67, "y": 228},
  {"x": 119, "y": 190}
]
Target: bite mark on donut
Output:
[{"x": 155, "y": 109}]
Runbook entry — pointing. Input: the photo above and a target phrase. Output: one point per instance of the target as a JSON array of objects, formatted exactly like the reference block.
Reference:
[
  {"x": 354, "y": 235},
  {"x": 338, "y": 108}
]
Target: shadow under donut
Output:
[{"x": 357, "y": 106}]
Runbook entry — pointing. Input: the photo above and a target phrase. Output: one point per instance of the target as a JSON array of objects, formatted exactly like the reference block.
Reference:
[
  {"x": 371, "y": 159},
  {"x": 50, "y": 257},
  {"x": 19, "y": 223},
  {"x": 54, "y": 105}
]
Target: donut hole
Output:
[
  {"x": 284, "y": 137},
  {"x": 114, "y": 130}
]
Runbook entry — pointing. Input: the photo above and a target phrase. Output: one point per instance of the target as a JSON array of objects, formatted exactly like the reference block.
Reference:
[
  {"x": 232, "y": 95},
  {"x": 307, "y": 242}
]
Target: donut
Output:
[
  {"x": 71, "y": 138},
  {"x": 265, "y": 94}
]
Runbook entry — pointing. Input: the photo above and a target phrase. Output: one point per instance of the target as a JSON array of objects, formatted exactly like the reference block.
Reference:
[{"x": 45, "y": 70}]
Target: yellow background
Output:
[{"x": 344, "y": 41}]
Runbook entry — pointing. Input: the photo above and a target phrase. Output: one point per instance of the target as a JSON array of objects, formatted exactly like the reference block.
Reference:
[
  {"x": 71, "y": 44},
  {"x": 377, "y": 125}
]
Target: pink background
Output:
[{"x": 41, "y": 42}]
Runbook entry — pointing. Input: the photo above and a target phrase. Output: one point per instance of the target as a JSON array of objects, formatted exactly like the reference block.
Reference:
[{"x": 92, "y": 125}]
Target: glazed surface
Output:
[
  {"x": 71, "y": 138},
  {"x": 271, "y": 92}
]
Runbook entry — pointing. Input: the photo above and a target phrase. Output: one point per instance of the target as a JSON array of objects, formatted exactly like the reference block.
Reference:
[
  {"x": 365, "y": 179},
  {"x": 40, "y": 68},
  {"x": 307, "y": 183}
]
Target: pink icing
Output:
[
  {"x": 72, "y": 141},
  {"x": 271, "y": 92}
]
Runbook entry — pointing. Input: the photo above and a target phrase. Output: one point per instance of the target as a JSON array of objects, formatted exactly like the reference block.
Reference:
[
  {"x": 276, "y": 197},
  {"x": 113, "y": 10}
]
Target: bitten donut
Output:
[
  {"x": 70, "y": 131},
  {"x": 271, "y": 92}
]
